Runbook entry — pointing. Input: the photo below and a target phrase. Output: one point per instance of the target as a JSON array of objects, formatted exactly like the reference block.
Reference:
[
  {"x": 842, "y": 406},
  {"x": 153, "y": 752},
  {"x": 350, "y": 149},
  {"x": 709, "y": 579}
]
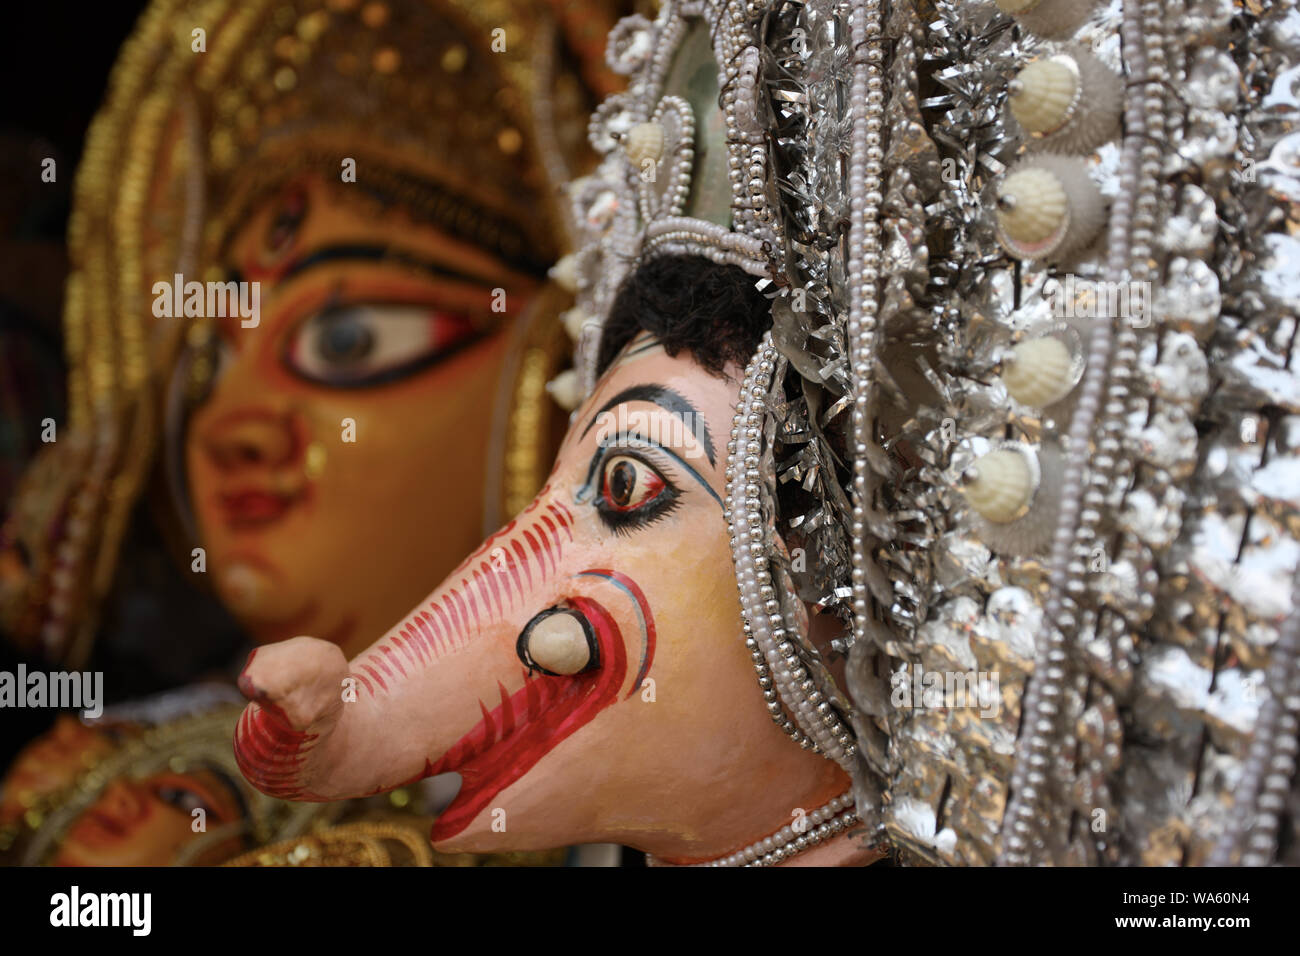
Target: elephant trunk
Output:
[{"x": 448, "y": 689}]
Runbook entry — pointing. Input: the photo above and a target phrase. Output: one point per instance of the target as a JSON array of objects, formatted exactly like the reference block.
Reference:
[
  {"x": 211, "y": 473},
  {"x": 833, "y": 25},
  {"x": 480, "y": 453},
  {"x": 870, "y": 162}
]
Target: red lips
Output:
[{"x": 254, "y": 507}]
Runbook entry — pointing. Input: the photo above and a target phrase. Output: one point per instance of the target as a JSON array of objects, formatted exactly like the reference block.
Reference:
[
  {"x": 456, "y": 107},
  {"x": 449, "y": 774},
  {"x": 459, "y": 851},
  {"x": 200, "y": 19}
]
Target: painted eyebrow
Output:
[
  {"x": 669, "y": 401},
  {"x": 374, "y": 253}
]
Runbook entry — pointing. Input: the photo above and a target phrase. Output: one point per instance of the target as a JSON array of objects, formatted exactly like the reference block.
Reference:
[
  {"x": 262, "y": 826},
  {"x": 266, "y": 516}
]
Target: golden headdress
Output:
[{"x": 213, "y": 102}]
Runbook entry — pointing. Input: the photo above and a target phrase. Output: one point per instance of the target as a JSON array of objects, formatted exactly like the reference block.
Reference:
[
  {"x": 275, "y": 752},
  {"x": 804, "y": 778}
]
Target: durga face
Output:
[
  {"x": 319, "y": 463},
  {"x": 387, "y": 177},
  {"x": 142, "y": 822}
]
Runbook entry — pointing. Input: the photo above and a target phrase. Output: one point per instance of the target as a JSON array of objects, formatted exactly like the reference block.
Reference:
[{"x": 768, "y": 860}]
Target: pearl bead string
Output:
[
  {"x": 1270, "y": 763},
  {"x": 766, "y": 625},
  {"x": 1112, "y": 353},
  {"x": 868, "y": 103},
  {"x": 825, "y": 822}
]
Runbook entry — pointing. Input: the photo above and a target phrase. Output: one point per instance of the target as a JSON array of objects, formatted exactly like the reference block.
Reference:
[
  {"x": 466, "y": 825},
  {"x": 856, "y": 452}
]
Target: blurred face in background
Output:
[
  {"x": 49, "y": 763},
  {"x": 338, "y": 464},
  {"x": 147, "y": 822}
]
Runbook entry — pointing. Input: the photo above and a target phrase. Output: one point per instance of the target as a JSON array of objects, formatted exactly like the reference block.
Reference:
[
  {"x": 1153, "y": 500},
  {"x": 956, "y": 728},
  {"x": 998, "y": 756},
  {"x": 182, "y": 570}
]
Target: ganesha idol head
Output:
[{"x": 585, "y": 670}]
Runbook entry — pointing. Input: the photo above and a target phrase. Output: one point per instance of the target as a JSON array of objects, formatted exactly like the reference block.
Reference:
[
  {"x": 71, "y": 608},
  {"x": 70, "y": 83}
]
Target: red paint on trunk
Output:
[{"x": 545, "y": 711}]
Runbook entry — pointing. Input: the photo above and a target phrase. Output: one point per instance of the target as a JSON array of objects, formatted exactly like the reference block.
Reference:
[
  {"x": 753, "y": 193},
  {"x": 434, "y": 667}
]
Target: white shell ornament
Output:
[
  {"x": 565, "y": 272},
  {"x": 565, "y": 389},
  {"x": 1067, "y": 103},
  {"x": 1032, "y": 206},
  {"x": 574, "y": 320},
  {"x": 1044, "y": 95},
  {"x": 1040, "y": 372},
  {"x": 1051, "y": 19},
  {"x": 557, "y": 642},
  {"x": 644, "y": 142},
  {"x": 1014, "y": 495},
  {"x": 1048, "y": 207},
  {"x": 662, "y": 154},
  {"x": 1000, "y": 485}
]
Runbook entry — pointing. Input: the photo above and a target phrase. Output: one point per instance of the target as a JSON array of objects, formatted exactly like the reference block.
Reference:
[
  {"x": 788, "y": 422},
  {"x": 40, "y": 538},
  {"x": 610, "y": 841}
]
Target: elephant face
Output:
[{"x": 583, "y": 671}]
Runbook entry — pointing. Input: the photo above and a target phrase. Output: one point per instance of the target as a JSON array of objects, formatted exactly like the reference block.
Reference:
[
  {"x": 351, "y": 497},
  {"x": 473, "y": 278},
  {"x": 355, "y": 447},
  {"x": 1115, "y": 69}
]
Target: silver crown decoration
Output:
[
  {"x": 663, "y": 186},
  {"x": 1028, "y": 409}
]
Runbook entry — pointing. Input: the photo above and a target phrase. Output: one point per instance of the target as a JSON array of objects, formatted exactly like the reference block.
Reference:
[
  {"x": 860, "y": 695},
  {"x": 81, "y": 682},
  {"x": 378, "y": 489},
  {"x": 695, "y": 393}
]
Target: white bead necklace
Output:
[{"x": 823, "y": 823}]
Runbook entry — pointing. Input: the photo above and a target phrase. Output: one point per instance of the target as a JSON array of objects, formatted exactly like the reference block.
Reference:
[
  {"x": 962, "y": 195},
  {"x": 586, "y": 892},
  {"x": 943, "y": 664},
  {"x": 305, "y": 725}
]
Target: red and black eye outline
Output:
[
  {"x": 625, "y": 520},
  {"x": 434, "y": 357},
  {"x": 593, "y": 646}
]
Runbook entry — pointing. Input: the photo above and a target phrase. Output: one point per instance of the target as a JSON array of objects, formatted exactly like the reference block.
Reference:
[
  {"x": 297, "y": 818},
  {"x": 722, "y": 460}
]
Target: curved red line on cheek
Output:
[
  {"x": 646, "y": 615},
  {"x": 541, "y": 733}
]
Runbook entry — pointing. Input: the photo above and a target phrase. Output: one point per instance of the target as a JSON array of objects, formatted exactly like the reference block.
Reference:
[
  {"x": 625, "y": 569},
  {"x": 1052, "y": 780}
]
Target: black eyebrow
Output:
[
  {"x": 373, "y": 253},
  {"x": 669, "y": 401}
]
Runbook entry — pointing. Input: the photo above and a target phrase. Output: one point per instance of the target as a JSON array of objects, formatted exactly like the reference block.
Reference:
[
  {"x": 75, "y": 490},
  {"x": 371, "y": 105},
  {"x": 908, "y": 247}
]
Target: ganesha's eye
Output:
[
  {"x": 349, "y": 346},
  {"x": 628, "y": 484},
  {"x": 632, "y": 493}
]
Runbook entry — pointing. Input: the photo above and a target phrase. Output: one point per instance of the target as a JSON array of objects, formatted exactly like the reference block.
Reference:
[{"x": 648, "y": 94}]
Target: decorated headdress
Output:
[
  {"x": 1028, "y": 406},
  {"x": 469, "y": 113}
]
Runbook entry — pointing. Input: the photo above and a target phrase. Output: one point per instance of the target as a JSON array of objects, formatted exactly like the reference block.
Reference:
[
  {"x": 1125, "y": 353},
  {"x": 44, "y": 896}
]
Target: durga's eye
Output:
[
  {"x": 182, "y": 799},
  {"x": 628, "y": 484},
  {"x": 353, "y": 345}
]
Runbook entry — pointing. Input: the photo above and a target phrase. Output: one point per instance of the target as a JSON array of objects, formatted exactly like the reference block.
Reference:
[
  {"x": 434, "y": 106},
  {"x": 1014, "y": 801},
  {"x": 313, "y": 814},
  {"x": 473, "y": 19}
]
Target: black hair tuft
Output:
[{"x": 690, "y": 304}]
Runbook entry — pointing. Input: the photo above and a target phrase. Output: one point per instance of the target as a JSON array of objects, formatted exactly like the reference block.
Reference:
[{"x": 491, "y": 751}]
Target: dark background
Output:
[{"x": 55, "y": 58}]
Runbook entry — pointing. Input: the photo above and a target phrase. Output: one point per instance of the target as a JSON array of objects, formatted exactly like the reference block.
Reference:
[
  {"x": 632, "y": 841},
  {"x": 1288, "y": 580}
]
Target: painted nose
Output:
[
  {"x": 249, "y": 438},
  {"x": 475, "y": 671},
  {"x": 122, "y": 801}
]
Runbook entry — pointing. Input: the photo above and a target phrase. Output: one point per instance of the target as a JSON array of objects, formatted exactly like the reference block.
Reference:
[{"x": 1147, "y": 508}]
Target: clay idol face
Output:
[
  {"x": 338, "y": 464},
  {"x": 148, "y": 822},
  {"x": 583, "y": 671}
]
